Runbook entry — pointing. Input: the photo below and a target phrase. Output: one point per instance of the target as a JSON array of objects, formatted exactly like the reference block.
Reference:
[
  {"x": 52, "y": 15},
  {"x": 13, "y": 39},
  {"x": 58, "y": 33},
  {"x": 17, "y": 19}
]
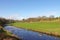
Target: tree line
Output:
[
  {"x": 39, "y": 19},
  {"x": 4, "y": 21}
]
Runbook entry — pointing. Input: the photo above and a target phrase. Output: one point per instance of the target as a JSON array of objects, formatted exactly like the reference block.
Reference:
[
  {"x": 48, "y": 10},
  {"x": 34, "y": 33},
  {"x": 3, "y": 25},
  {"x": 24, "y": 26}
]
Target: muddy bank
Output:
[
  {"x": 7, "y": 37},
  {"x": 4, "y": 36}
]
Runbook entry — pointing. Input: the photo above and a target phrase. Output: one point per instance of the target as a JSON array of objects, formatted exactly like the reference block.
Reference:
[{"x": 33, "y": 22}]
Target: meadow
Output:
[{"x": 49, "y": 27}]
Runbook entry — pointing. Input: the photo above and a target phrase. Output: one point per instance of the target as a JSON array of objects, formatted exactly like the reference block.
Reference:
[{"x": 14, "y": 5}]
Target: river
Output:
[{"x": 29, "y": 35}]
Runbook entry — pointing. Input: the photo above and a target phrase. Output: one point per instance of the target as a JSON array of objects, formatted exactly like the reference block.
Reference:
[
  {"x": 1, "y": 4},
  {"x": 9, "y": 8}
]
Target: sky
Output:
[{"x": 19, "y": 9}]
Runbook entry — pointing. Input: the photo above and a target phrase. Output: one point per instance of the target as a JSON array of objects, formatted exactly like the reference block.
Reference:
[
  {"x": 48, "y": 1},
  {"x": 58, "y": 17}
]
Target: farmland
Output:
[{"x": 50, "y": 27}]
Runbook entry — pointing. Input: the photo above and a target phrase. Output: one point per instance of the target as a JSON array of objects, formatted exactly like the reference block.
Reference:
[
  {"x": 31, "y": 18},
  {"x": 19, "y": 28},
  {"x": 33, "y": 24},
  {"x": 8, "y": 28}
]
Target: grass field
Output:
[{"x": 40, "y": 26}]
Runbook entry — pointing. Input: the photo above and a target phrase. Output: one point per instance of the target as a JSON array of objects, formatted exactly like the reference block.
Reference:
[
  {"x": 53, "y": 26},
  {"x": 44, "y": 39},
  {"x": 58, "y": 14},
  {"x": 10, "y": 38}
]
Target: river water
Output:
[{"x": 29, "y": 35}]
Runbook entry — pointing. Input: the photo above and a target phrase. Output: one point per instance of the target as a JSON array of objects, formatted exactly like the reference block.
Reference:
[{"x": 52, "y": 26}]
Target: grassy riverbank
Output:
[
  {"x": 6, "y": 35},
  {"x": 48, "y": 27}
]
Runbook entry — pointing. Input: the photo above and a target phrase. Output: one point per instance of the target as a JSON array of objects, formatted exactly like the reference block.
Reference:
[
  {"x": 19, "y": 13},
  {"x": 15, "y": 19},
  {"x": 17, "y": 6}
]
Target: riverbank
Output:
[
  {"x": 47, "y": 33},
  {"x": 6, "y": 35},
  {"x": 50, "y": 28}
]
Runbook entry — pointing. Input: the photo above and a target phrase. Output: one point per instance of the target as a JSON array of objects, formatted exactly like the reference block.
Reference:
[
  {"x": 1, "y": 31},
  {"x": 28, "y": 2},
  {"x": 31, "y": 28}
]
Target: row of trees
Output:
[
  {"x": 43, "y": 18},
  {"x": 4, "y": 21}
]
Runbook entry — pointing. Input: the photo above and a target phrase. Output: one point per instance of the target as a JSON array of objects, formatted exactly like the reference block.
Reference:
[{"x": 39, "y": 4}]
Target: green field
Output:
[{"x": 40, "y": 26}]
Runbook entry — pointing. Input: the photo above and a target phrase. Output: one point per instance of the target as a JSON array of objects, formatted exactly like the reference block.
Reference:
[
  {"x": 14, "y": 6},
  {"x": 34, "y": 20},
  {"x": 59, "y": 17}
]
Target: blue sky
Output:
[{"x": 18, "y": 9}]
